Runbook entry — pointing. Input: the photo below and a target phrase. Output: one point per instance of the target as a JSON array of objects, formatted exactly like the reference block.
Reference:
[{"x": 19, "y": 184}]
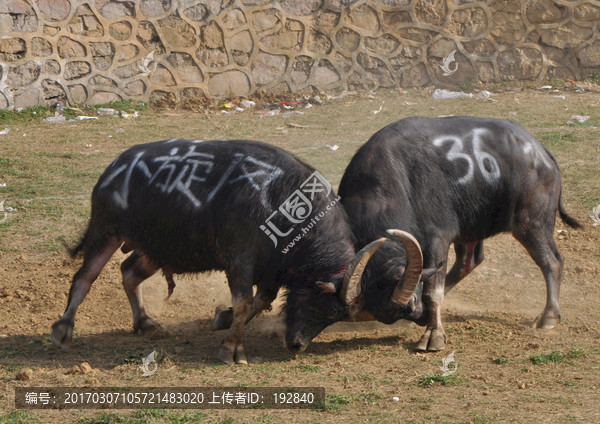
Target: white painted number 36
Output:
[{"x": 487, "y": 164}]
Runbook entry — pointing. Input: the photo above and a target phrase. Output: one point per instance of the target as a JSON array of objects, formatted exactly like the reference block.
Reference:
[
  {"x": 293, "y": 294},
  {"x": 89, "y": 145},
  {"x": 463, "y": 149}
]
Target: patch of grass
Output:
[
  {"x": 577, "y": 353},
  {"x": 336, "y": 402},
  {"x": 368, "y": 398},
  {"x": 594, "y": 78},
  {"x": 306, "y": 368},
  {"x": 554, "y": 137},
  {"x": 445, "y": 380},
  {"x": 19, "y": 416},
  {"x": 108, "y": 418},
  {"x": 556, "y": 83},
  {"x": 501, "y": 361},
  {"x": 547, "y": 358}
]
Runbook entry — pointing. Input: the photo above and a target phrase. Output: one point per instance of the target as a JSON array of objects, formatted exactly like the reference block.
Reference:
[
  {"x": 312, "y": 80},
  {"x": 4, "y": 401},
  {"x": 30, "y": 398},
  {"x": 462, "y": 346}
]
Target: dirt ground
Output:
[{"x": 506, "y": 371}]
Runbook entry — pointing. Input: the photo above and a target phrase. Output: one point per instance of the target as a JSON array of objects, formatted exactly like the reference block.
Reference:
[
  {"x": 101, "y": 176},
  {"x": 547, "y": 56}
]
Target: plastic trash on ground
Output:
[
  {"x": 442, "y": 94},
  {"x": 579, "y": 118},
  {"x": 292, "y": 114},
  {"x": 5, "y": 131},
  {"x": 247, "y": 103},
  {"x": 595, "y": 217},
  {"x": 84, "y": 118},
  {"x": 55, "y": 119},
  {"x": 126, "y": 115},
  {"x": 106, "y": 111},
  {"x": 268, "y": 113}
]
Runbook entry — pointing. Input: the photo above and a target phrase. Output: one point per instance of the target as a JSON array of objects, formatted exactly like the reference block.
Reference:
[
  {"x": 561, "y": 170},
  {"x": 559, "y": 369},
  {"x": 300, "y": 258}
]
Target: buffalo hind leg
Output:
[
  {"x": 135, "y": 269},
  {"x": 468, "y": 256},
  {"x": 543, "y": 250},
  {"x": 94, "y": 260},
  {"x": 240, "y": 285}
]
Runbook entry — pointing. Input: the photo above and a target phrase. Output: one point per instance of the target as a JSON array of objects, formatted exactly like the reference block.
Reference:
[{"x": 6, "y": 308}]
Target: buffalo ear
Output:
[
  {"x": 326, "y": 287},
  {"x": 429, "y": 272}
]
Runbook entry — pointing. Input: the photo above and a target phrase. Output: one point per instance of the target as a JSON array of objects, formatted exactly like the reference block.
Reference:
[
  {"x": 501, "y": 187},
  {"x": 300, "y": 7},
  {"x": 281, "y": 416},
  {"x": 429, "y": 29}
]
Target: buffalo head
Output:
[{"x": 348, "y": 297}]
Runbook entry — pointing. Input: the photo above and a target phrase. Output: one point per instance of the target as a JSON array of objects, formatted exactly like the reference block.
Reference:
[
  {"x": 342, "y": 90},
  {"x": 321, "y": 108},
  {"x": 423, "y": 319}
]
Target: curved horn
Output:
[
  {"x": 414, "y": 267},
  {"x": 351, "y": 286}
]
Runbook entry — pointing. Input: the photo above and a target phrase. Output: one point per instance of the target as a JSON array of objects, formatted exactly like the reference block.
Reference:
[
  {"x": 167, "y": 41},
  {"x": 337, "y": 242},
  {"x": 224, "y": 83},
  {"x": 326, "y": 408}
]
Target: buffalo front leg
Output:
[
  {"x": 262, "y": 301},
  {"x": 94, "y": 260},
  {"x": 434, "y": 338},
  {"x": 135, "y": 269},
  {"x": 543, "y": 250}
]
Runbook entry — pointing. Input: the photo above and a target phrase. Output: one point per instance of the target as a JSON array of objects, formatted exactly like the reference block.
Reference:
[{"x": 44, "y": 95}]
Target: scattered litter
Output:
[
  {"x": 596, "y": 216},
  {"x": 289, "y": 105},
  {"x": 308, "y": 106},
  {"x": 227, "y": 106},
  {"x": 147, "y": 60},
  {"x": 333, "y": 147},
  {"x": 375, "y": 112},
  {"x": 485, "y": 94},
  {"x": 317, "y": 100},
  {"x": 84, "y": 118},
  {"x": 238, "y": 109},
  {"x": 293, "y": 114},
  {"x": 545, "y": 87},
  {"x": 579, "y": 118},
  {"x": 292, "y": 125},
  {"x": 106, "y": 111},
  {"x": 442, "y": 94},
  {"x": 247, "y": 103},
  {"x": 580, "y": 90},
  {"x": 268, "y": 113},
  {"x": 569, "y": 83},
  {"x": 59, "y": 108},
  {"x": 517, "y": 275},
  {"x": 120, "y": 130},
  {"x": 126, "y": 115},
  {"x": 55, "y": 120},
  {"x": 560, "y": 97},
  {"x": 562, "y": 234},
  {"x": 5, "y": 211},
  {"x": 395, "y": 399},
  {"x": 5, "y": 131}
]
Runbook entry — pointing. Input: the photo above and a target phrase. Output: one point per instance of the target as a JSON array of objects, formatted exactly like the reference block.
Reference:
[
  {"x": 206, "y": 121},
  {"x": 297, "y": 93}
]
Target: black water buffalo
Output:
[
  {"x": 454, "y": 180},
  {"x": 247, "y": 208}
]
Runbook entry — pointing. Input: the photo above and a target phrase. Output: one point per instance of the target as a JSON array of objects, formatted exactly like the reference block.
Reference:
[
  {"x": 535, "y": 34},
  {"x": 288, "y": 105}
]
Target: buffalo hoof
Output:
[
  {"x": 223, "y": 319},
  {"x": 546, "y": 321},
  {"x": 229, "y": 354},
  {"x": 149, "y": 328},
  {"x": 62, "y": 334},
  {"x": 433, "y": 340}
]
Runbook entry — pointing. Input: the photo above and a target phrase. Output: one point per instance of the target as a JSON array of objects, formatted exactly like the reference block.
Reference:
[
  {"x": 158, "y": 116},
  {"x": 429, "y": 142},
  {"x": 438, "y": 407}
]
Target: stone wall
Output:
[{"x": 95, "y": 51}]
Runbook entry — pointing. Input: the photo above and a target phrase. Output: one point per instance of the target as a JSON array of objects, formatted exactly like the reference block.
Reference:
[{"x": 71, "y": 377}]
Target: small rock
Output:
[
  {"x": 25, "y": 374},
  {"x": 85, "y": 368},
  {"x": 521, "y": 384}
]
